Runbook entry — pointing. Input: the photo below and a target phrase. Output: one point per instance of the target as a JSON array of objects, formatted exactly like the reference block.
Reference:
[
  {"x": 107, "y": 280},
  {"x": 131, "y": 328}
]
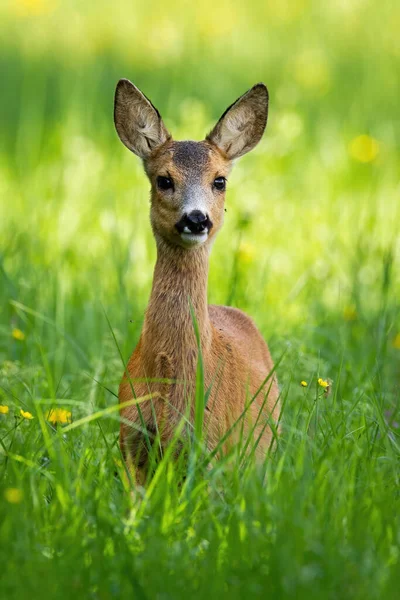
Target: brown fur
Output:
[{"x": 236, "y": 358}]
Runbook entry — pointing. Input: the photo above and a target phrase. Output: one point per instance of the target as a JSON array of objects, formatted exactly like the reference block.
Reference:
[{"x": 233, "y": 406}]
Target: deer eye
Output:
[
  {"x": 164, "y": 183},
  {"x": 220, "y": 183}
]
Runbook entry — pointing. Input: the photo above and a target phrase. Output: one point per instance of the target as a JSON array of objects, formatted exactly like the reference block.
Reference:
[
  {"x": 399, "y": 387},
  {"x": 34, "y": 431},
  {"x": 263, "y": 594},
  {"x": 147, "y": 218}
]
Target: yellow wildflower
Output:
[
  {"x": 364, "y": 148},
  {"x": 303, "y": 383},
  {"x": 18, "y": 335},
  {"x": 396, "y": 342},
  {"x": 26, "y": 414},
  {"x": 32, "y": 7},
  {"x": 324, "y": 384},
  {"x": 247, "y": 252},
  {"x": 3, "y": 409},
  {"x": 58, "y": 415},
  {"x": 13, "y": 495},
  {"x": 350, "y": 313}
]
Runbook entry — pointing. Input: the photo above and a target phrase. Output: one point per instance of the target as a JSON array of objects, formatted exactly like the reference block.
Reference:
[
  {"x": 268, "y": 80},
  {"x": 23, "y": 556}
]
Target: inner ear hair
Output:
[
  {"x": 138, "y": 123},
  {"x": 243, "y": 123}
]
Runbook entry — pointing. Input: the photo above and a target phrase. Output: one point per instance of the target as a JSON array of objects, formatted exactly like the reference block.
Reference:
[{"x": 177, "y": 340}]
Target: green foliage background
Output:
[{"x": 310, "y": 249}]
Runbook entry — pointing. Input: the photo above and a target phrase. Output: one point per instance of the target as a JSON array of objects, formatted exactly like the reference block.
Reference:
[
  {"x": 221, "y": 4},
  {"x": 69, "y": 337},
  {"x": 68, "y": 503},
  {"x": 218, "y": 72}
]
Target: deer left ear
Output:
[
  {"x": 242, "y": 125},
  {"x": 138, "y": 123}
]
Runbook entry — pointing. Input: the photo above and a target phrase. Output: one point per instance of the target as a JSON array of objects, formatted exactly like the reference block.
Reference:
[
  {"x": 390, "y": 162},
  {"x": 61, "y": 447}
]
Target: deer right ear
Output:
[
  {"x": 242, "y": 125},
  {"x": 137, "y": 121}
]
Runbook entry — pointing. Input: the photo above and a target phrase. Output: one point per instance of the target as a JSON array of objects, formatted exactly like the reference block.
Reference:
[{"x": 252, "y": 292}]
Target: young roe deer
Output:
[{"x": 188, "y": 181}]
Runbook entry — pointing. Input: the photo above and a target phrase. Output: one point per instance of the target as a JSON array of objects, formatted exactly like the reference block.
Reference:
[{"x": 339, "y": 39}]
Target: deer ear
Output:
[
  {"x": 137, "y": 121},
  {"x": 242, "y": 125}
]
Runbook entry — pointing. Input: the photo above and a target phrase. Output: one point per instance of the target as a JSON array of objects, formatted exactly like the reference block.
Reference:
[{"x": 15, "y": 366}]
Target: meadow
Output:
[{"x": 310, "y": 249}]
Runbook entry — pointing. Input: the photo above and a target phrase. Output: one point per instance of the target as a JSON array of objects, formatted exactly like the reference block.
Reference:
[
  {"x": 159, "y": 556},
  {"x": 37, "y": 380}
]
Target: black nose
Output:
[{"x": 195, "y": 221}]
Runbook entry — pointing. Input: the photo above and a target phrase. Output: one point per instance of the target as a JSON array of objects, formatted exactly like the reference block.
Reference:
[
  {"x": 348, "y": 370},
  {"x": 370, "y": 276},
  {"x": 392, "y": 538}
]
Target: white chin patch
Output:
[{"x": 194, "y": 239}]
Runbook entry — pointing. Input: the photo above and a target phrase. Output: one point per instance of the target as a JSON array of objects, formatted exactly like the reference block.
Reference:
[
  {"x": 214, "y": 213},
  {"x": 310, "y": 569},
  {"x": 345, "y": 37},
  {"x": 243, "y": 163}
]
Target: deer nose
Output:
[{"x": 194, "y": 222}]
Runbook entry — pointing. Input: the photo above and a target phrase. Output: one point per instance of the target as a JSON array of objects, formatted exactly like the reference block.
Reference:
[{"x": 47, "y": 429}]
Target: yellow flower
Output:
[
  {"x": 18, "y": 335},
  {"x": 350, "y": 313},
  {"x": 247, "y": 252},
  {"x": 324, "y": 384},
  {"x": 33, "y": 7},
  {"x": 26, "y": 414},
  {"x": 13, "y": 495},
  {"x": 3, "y": 409},
  {"x": 396, "y": 342},
  {"x": 58, "y": 415},
  {"x": 303, "y": 383},
  {"x": 364, "y": 148}
]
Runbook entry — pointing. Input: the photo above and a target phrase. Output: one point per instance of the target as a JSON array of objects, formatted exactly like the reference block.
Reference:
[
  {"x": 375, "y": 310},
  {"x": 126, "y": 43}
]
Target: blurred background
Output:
[
  {"x": 310, "y": 249},
  {"x": 311, "y": 242}
]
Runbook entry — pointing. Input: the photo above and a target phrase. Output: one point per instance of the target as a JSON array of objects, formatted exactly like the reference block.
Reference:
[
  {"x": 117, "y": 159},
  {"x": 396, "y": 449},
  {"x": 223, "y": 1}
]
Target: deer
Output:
[{"x": 188, "y": 184}]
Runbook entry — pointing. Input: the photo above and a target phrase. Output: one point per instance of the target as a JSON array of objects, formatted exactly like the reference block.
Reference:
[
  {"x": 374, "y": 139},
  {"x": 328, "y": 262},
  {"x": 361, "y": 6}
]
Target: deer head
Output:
[{"x": 188, "y": 179}]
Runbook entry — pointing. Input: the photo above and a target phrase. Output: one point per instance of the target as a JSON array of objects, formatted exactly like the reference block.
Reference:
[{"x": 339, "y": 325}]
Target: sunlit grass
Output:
[{"x": 310, "y": 249}]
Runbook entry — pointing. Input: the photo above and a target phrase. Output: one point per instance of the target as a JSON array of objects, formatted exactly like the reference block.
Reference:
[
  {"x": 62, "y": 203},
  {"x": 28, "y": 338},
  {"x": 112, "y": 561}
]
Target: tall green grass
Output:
[{"x": 310, "y": 249}]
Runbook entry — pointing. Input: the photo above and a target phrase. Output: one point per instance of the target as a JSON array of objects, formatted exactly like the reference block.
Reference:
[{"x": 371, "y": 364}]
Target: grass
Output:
[{"x": 310, "y": 249}]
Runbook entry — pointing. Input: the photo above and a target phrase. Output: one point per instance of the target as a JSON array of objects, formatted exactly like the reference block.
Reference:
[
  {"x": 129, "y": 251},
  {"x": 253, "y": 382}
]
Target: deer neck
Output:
[{"x": 180, "y": 280}]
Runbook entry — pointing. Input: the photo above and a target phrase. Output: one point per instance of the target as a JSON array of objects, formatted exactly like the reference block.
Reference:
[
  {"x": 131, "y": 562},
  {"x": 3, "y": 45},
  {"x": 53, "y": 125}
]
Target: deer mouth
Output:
[
  {"x": 193, "y": 239},
  {"x": 194, "y": 228}
]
